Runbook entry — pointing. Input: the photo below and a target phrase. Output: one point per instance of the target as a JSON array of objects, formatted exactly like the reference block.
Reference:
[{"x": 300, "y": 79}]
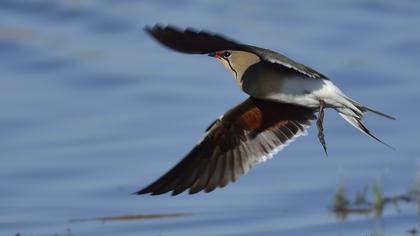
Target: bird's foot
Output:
[{"x": 319, "y": 124}]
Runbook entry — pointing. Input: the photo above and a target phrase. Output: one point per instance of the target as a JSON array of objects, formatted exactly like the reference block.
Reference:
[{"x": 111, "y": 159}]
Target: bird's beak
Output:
[{"x": 214, "y": 54}]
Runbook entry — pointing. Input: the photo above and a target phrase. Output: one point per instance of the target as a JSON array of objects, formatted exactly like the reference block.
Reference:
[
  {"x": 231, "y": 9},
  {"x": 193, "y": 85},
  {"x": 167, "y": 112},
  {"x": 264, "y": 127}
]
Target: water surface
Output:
[{"x": 93, "y": 110}]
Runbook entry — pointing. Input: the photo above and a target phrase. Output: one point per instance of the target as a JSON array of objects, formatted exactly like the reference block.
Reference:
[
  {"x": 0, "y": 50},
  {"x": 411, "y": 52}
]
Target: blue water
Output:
[{"x": 93, "y": 109}]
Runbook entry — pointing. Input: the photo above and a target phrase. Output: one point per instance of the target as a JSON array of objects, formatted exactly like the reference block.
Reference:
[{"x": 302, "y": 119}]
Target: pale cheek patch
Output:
[{"x": 226, "y": 65}]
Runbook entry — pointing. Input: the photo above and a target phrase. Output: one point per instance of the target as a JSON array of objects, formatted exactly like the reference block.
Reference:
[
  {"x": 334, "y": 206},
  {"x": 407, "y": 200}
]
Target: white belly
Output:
[{"x": 296, "y": 90}]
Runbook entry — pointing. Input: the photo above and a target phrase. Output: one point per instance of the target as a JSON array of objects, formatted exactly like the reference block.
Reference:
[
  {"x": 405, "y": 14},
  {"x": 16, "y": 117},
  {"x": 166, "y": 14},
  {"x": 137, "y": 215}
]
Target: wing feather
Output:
[{"x": 249, "y": 133}]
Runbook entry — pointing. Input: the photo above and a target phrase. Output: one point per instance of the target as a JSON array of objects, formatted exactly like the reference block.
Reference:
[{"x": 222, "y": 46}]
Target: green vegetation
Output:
[
  {"x": 371, "y": 200},
  {"x": 343, "y": 206}
]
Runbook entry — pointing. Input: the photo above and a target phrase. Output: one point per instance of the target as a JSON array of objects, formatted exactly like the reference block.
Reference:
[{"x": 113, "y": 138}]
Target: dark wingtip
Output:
[
  {"x": 190, "y": 40},
  {"x": 146, "y": 190},
  {"x": 148, "y": 29},
  {"x": 152, "y": 193},
  {"x": 153, "y": 30},
  {"x": 174, "y": 193},
  {"x": 140, "y": 192}
]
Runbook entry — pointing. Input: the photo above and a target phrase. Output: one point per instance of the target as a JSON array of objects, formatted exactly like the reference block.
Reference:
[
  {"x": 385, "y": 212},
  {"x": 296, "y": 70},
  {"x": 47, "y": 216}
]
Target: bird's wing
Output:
[
  {"x": 191, "y": 41},
  {"x": 203, "y": 42},
  {"x": 285, "y": 62},
  {"x": 249, "y": 133}
]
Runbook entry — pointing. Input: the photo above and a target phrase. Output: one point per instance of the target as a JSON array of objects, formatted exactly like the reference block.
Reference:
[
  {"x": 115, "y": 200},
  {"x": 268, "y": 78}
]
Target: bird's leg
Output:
[{"x": 320, "y": 125}]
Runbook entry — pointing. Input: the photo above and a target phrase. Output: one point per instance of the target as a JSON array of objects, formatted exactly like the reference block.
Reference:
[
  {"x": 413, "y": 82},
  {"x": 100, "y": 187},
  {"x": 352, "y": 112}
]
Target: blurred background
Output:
[{"x": 92, "y": 109}]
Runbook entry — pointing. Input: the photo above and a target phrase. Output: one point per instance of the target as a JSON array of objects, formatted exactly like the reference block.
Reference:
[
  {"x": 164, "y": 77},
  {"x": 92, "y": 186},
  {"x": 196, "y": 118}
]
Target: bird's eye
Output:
[{"x": 226, "y": 54}]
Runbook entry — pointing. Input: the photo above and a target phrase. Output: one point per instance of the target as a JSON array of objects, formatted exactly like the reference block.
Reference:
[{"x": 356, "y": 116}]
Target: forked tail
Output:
[{"x": 354, "y": 115}]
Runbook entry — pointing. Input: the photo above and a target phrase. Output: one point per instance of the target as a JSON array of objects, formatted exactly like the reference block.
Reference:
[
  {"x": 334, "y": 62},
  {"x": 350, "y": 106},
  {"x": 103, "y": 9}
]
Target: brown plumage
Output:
[{"x": 247, "y": 134}]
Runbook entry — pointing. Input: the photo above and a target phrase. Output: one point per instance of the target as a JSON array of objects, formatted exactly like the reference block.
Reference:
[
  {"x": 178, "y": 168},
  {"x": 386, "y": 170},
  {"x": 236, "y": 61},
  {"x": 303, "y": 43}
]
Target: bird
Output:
[{"x": 284, "y": 97}]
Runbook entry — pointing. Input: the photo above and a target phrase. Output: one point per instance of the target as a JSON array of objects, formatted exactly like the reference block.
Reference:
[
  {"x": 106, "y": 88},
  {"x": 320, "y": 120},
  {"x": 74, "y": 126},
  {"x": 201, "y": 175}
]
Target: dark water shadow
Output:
[{"x": 133, "y": 217}]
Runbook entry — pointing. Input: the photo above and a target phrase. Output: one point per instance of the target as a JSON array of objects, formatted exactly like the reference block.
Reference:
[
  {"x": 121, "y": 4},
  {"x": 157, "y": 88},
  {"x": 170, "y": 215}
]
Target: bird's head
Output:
[{"x": 237, "y": 62}]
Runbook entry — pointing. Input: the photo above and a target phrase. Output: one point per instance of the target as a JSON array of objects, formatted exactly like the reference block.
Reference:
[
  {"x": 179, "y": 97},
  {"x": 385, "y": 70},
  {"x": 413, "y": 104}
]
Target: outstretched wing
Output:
[
  {"x": 191, "y": 41},
  {"x": 249, "y": 133},
  {"x": 204, "y": 42}
]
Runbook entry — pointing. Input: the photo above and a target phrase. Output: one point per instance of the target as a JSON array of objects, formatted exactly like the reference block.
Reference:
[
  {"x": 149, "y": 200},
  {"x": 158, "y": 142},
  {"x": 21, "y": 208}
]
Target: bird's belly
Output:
[
  {"x": 295, "y": 90},
  {"x": 307, "y": 100}
]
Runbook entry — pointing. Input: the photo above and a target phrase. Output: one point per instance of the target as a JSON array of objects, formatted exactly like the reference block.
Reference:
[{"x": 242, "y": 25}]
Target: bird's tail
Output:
[{"x": 352, "y": 111}]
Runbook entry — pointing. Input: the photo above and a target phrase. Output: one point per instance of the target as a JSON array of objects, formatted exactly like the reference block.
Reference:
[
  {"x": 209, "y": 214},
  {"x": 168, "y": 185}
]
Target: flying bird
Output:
[{"x": 284, "y": 96}]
